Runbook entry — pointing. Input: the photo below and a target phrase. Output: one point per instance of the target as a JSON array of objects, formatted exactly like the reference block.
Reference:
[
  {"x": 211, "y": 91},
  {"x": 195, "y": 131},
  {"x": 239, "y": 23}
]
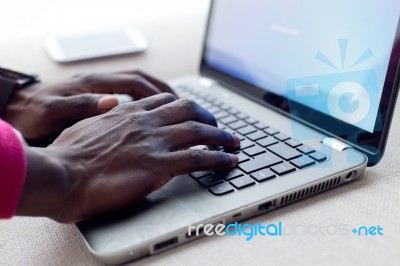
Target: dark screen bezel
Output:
[{"x": 371, "y": 144}]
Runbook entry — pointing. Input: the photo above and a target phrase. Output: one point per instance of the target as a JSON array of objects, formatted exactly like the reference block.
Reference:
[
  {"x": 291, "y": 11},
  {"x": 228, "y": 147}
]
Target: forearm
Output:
[{"x": 46, "y": 184}]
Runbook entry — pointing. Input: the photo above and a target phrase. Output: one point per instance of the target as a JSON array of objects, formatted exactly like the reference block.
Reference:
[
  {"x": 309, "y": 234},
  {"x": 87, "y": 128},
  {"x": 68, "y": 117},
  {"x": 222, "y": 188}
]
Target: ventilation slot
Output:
[{"x": 310, "y": 191}]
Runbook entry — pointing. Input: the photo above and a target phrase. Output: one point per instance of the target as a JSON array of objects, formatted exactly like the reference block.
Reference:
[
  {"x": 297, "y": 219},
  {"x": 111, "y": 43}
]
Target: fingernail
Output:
[
  {"x": 236, "y": 139},
  {"x": 107, "y": 103},
  {"x": 234, "y": 159}
]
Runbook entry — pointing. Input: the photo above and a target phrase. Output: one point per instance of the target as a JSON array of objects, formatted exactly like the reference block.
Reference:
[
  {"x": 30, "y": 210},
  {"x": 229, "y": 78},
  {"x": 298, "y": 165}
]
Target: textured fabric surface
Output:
[
  {"x": 12, "y": 170},
  {"x": 372, "y": 200}
]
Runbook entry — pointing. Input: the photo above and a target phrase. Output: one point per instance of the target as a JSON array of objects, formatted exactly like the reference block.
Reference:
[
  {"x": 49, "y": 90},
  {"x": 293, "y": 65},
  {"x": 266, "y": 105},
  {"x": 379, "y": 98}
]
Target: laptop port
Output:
[
  {"x": 165, "y": 244},
  {"x": 265, "y": 206},
  {"x": 236, "y": 215},
  {"x": 351, "y": 174}
]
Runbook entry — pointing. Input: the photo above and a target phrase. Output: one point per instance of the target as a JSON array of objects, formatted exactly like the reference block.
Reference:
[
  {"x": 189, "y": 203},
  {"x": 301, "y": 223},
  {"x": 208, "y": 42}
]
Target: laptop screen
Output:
[{"x": 331, "y": 56}]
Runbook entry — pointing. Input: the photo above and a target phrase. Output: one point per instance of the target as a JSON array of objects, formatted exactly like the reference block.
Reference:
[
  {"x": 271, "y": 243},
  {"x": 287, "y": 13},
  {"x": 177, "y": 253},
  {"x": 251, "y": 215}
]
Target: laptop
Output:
[{"x": 308, "y": 86}]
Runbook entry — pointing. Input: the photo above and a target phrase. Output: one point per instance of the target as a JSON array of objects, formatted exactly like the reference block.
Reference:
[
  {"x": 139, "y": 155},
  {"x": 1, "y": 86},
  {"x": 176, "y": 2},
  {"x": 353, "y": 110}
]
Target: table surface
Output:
[{"x": 175, "y": 30}]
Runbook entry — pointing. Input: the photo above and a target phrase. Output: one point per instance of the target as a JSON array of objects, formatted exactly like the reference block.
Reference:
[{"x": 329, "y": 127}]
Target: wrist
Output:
[
  {"x": 10, "y": 82},
  {"x": 17, "y": 106},
  {"x": 25, "y": 114},
  {"x": 46, "y": 188}
]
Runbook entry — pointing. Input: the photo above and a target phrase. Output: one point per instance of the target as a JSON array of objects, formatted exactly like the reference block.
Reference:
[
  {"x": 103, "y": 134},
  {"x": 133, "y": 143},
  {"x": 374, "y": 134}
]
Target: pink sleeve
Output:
[{"x": 12, "y": 170}]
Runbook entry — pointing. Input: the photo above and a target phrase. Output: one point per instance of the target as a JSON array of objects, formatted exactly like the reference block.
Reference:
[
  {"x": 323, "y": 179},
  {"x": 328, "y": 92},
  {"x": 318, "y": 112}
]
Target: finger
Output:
[
  {"x": 183, "y": 110},
  {"x": 158, "y": 83},
  {"x": 86, "y": 105},
  {"x": 106, "y": 103},
  {"x": 146, "y": 104},
  {"x": 188, "y": 161},
  {"x": 134, "y": 85},
  {"x": 156, "y": 101},
  {"x": 192, "y": 133}
]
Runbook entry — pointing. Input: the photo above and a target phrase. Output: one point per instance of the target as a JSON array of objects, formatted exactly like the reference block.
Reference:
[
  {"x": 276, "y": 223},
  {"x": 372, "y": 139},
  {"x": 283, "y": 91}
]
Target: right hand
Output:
[{"x": 120, "y": 157}]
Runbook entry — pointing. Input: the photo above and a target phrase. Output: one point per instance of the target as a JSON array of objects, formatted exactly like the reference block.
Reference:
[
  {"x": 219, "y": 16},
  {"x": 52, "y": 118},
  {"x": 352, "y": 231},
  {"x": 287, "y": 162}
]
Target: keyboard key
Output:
[
  {"x": 284, "y": 151},
  {"x": 241, "y": 137},
  {"x": 194, "y": 91},
  {"x": 242, "y": 115},
  {"x": 183, "y": 94},
  {"x": 201, "y": 102},
  {"x": 199, "y": 174},
  {"x": 281, "y": 136},
  {"x": 244, "y": 144},
  {"x": 221, "y": 115},
  {"x": 216, "y": 148},
  {"x": 206, "y": 105},
  {"x": 319, "y": 157},
  {"x": 214, "y": 110},
  {"x": 305, "y": 149},
  {"x": 192, "y": 97},
  {"x": 233, "y": 111},
  {"x": 293, "y": 143},
  {"x": 263, "y": 175},
  {"x": 253, "y": 151},
  {"x": 271, "y": 131},
  {"x": 200, "y": 147},
  {"x": 247, "y": 130},
  {"x": 230, "y": 173},
  {"x": 238, "y": 124},
  {"x": 209, "y": 98},
  {"x": 283, "y": 168},
  {"x": 210, "y": 180},
  {"x": 259, "y": 162},
  {"x": 251, "y": 120},
  {"x": 228, "y": 119},
  {"x": 267, "y": 141},
  {"x": 257, "y": 135},
  {"x": 217, "y": 102},
  {"x": 302, "y": 162},
  {"x": 180, "y": 88},
  {"x": 261, "y": 125},
  {"x": 221, "y": 125},
  {"x": 225, "y": 106},
  {"x": 242, "y": 182},
  {"x": 221, "y": 189},
  {"x": 242, "y": 157}
]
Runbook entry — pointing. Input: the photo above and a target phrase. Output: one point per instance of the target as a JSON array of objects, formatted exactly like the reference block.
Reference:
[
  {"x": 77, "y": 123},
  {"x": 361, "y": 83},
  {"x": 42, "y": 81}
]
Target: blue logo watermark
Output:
[
  {"x": 368, "y": 230},
  {"x": 237, "y": 229},
  {"x": 251, "y": 230},
  {"x": 278, "y": 229},
  {"x": 345, "y": 94}
]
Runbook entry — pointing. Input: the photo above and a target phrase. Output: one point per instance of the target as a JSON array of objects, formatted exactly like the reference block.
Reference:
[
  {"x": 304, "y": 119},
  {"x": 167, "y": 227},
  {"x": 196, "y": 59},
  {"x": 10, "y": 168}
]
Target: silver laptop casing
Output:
[{"x": 163, "y": 218}]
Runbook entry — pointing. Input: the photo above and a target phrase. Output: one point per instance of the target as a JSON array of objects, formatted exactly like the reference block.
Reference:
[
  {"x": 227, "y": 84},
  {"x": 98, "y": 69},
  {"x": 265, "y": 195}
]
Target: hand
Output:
[
  {"x": 47, "y": 108},
  {"x": 118, "y": 158}
]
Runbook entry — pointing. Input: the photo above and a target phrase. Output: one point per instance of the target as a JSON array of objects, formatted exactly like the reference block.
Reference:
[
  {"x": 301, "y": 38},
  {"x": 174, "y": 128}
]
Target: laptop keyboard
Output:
[{"x": 265, "y": 153}]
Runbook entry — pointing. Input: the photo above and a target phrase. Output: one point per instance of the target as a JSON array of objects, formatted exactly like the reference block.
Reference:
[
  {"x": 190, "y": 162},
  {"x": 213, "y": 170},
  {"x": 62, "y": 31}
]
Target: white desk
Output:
[{"x": 175, "y": 30}]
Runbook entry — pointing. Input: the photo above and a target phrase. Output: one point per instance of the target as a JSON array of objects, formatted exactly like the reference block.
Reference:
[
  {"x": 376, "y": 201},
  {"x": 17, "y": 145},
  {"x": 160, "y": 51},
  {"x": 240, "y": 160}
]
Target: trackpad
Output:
[{"x": 160, "y": 213}]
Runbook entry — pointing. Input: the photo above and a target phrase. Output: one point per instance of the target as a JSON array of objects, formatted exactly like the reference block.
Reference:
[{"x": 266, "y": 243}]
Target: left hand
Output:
[{"x": 44, "y": 109}]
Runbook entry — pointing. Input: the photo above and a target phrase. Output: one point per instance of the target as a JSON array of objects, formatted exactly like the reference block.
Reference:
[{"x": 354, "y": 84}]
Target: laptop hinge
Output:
[{"x": 336, "y": 144}]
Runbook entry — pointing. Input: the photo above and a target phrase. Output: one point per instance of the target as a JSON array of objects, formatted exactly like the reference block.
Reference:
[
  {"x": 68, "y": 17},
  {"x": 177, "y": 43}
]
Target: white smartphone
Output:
[{"x": 81, "y": 46}]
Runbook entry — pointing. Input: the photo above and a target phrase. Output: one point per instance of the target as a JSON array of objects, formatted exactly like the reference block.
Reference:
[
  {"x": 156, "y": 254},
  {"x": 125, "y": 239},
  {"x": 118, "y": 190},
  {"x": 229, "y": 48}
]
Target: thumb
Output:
[{"x": 86, "y": 105}]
